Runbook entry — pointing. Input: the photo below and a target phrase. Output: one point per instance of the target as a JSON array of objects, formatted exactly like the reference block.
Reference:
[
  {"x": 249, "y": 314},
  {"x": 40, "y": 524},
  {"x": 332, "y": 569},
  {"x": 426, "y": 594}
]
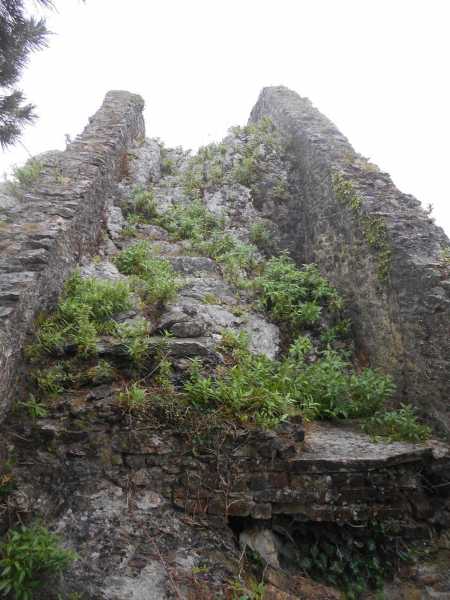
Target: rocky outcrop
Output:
[
  {"x": 49, "y": 224},
  {"x": 166, "y": 497},
  {"x": 377, "y": 245}
]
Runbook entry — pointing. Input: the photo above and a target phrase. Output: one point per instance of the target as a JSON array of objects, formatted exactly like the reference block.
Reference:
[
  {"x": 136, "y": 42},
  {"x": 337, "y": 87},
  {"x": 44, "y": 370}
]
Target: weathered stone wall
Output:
[
  {"x": 376, "y": 245},
  {"x": 336, "y": 475},
  {"x": 47, "y": 226}
]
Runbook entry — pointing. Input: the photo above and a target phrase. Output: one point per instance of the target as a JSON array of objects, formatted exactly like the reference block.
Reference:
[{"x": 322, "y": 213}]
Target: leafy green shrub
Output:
[
  {"x": 234, "y": 342},
  {"x": 338, "y": 331},
  {"x": 167, "y": 166},
  {"x": 156, "y": 277},
  {"x": 295, "y": 296},
  {"x": 28, "y": 174},
  {"x": 235, "y": 257},
  {"x": 103, "y": 300},
  {"x": 369, "y": 391},
  {"x": 134, "y": 337},
  {"x": 51, "y": 381},
  {"x": 206, "y": 169},
  {"x": 258, "y": 140},
  {"x": 334, "y": 391},
  {"x": 84, "y": 312},
  {"x": 134, "y": 219},
  {"x": 400, "y": 424},
  {"x": 191, "y": 222},
  {"x": 215, "y": 173},
  {"x": 102, "y": 372},
  {"x": 245, "y": 171},
  {"x": 280, "y": 191},
  {"x": 206, "y": 231},
  {"x": 261, "y": 236},
  {"x": 249, "y": 391},
  {"x": 24, "y": 177},
  {"x": 193, "y": 179},
  {"x": 27, "y": 556},
  {"x": 266, "y": 391},
  {"x": 144, "y": 203}
]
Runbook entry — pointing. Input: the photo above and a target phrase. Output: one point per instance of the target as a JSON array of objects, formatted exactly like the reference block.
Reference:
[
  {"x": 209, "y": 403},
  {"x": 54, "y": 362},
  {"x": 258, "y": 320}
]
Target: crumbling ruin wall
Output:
[
  {"x": 375, "y": 244},
  {"x": 47, "y": 226}
]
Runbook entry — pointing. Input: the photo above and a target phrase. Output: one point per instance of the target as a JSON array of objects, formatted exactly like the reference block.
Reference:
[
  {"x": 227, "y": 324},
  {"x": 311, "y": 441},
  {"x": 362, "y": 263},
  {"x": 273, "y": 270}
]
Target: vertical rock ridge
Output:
[
  {"x": 47, "y": 228},
  {"x": 375, "y": 244}
]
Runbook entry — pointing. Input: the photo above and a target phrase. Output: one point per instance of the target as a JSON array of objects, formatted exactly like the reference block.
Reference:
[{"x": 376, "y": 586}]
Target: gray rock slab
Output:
[
  {"x": 150, "y": 584},
  {"x": 192, "y": 265},
  {"x": 264, "y": 337}
]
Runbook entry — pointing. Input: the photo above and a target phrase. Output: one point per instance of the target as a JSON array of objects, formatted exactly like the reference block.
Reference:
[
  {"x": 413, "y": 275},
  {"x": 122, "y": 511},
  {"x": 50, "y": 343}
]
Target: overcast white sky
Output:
[{"x": 378, "y": 68}]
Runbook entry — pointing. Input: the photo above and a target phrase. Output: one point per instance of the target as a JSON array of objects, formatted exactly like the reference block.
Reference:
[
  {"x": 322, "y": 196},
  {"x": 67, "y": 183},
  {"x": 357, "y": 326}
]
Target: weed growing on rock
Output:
[
  {"x": 27, "y": 556},
  {"x": 261, "y": 236},
  {"x": 245, "y": 171},
  {"x": 264, "y": 391},
  {"x": 206, "y": 233},
  {"x": 51, "y": 381},
  {"x": 133, "y": 399},
  {"x": 204, "y": 170},
  {"x": 156, "y": 279},
  {"x": 295, "y": 296},
  {"x": 400, "y": 424},
  {"x": 373, "y": 227},
  {"x": 102, "y": 372},
  {"x": 24, "y": 177},
  {"x": 167, "y": 166},
  {"x": 237, "y": 259},
  {"x": 134, "y": 337},
  {"x": 193, "y": 179},
  {"x": 84, "y": 312},
  {"x": 234, "y": 343},
  {"x": 445, "y": 256},
  {"x": 191, "y": 222},
  {"x": 257, "y": 142},
  {"x": 252, "y": 591},
  {"x": 144, "y": 203},
  {"x": 130, "y": 230},
  {"x": 212, "y": 165},
  {"x": 211, "y": 299},
  {"x": 250, "y": 391},
  {"x": 34, "y": 408}
]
